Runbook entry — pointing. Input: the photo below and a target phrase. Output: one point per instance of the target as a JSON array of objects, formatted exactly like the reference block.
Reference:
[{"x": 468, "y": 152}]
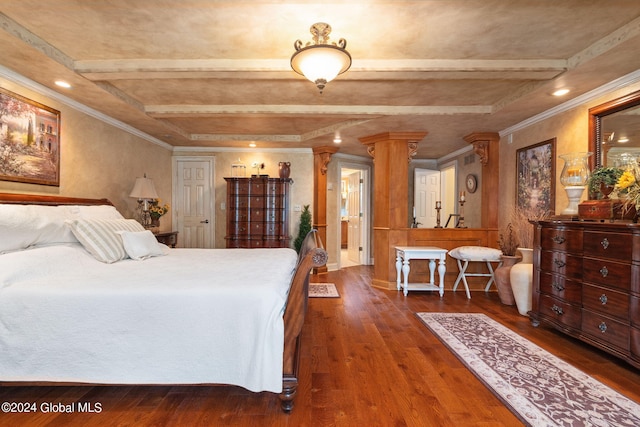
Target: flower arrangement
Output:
[
  {"x": 156, "y": 210},
  {"x": 628, "y": 185},
  {"x": 606, "y": 175}
]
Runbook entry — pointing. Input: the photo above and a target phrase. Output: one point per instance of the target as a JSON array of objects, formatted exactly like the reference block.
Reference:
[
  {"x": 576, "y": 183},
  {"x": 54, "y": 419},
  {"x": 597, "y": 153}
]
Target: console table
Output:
[{"x": 404, "y": 254}]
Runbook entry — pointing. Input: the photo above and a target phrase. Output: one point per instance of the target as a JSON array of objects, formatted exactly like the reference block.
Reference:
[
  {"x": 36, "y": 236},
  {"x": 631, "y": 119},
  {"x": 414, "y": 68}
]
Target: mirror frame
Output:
[{"x": 595, "y": 123}]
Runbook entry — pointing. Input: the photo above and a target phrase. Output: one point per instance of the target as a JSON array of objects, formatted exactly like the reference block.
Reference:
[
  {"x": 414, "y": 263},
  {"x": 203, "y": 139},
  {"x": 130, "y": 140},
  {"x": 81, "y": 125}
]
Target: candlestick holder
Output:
[
  {"x": 438, "y": 208},
  {"x": 461, "y": 213}
]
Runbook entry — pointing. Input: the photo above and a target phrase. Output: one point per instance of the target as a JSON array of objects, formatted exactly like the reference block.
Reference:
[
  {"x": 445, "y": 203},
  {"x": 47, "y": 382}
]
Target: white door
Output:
[
  {"x": 194, "y": 208},
  {"x": 355, "y": 218},
  {"x": 426, "y": 193}
]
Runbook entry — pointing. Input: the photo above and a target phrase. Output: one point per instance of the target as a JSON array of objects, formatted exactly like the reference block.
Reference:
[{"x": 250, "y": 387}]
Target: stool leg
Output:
[
  {"x": 464, "y": 280},
  {"x": 460, "y": 274}
]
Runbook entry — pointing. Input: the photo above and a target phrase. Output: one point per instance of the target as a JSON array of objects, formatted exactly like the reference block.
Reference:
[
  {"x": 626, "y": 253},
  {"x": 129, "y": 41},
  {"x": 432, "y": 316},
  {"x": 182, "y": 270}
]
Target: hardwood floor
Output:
[{"x": 367, "y": 361}]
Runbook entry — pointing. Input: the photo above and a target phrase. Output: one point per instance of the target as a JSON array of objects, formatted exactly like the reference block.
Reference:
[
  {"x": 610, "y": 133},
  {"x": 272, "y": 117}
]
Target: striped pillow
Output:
[{"x": 100, "y": 237}]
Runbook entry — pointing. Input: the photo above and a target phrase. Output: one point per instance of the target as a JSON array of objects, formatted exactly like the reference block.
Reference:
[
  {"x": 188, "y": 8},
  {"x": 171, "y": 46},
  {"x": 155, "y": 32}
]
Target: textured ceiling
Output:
[{"x": 217, "y": 73}]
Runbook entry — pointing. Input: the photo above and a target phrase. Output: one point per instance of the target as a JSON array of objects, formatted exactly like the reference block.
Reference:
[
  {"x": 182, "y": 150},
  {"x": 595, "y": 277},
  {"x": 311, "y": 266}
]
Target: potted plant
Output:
[
  {"x": 305, "y": 227},
  {"x": 508, "y": 245},
  {"x": 603, "y": 180}
]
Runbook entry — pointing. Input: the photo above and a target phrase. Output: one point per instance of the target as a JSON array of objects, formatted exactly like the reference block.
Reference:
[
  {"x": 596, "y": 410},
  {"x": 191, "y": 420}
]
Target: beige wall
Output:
[
  {"x": 571, "y": 131},
  {"x": 98, "y": 160}
]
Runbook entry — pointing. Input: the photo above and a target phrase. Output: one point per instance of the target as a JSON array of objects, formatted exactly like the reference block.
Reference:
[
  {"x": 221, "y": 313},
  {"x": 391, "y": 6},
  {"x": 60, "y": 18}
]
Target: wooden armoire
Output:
[{"x": 258, "y": 212}]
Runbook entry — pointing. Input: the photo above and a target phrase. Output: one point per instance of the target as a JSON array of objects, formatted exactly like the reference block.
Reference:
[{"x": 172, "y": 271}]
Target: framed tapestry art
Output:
[
  {"x": 29, "y": 141},
  {"x": 535, "y": 178}
]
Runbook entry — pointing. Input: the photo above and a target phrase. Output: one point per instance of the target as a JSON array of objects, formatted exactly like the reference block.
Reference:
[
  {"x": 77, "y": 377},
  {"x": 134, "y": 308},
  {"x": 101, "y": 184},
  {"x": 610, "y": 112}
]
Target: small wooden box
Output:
[{"x": 612, "y": 209}]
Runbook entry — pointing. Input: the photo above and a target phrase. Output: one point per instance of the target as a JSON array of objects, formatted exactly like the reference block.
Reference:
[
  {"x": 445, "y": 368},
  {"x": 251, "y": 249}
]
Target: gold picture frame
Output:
[{"x": 29, "y": 141}]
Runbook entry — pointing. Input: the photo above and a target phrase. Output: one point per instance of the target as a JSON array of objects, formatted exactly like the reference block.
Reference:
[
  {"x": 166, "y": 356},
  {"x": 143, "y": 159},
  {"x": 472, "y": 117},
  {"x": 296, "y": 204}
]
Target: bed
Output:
[{"x": 87, "y": 296}]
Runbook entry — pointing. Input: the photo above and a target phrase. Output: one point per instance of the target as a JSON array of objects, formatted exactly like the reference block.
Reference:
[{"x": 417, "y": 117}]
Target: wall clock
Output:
[{"x": 472, "y": 183}]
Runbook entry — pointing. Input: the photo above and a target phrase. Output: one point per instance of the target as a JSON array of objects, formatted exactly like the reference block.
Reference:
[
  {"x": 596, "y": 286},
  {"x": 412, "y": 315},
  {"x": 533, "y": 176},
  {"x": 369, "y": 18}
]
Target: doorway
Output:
[
  {"x": 354, "y": 214},
  {"x": 193, "y": 212}
]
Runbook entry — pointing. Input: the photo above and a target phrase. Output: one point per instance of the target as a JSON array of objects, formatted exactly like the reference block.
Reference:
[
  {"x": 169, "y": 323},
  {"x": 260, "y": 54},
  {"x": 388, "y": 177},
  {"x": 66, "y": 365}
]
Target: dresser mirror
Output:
[{"x": 614, "y": 131}]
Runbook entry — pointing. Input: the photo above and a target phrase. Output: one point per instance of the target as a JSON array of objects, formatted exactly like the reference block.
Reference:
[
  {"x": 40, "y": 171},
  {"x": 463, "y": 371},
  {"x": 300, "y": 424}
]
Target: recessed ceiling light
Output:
[
  {"x": 561, "y": 92},
  {"x": 252, "y": 144},
  {"x": 623, "y": 139},
  {"x": 63, "y": 84},
  {"x": 337, "y": 140}
]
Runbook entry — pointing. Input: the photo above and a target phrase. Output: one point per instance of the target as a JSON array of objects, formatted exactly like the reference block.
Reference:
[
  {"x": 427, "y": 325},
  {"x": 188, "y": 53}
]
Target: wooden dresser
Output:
[
  {"x": 586, "y": 283},
  {"x": 257, "y": 212}
]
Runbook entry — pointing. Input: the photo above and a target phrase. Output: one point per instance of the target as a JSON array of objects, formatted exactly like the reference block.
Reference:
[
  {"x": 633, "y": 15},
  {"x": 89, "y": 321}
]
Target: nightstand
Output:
[{"x": 169, "y": 238}]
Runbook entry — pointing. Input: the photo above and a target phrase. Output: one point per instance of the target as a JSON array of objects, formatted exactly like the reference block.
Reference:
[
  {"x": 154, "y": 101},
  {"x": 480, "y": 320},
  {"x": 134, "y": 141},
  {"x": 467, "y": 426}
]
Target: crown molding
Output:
[
  {"x": 189, "y": 149},
  {"x": 613, "y": 85},
  {"x": 45, "y": 91}
]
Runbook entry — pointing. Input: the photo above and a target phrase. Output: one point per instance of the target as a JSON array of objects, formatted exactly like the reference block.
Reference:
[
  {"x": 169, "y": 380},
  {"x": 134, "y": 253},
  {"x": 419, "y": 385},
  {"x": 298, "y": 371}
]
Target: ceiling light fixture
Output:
[
  {"x": 321, "y": 61},
  {"x": 560, "y": 92},
  {"x": 63, "y": 84}
]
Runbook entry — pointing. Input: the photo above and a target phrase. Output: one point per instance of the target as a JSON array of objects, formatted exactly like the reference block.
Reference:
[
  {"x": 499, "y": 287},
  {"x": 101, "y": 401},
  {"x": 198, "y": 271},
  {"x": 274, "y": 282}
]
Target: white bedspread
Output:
[{"x": 193, "y": 316}]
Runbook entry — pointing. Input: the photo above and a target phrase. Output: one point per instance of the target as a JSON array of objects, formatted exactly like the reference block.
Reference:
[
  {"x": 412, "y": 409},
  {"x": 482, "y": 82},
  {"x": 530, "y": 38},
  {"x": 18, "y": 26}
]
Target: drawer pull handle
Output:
[
  {"x": 557, "y": 310},
  {"x": 602, "y": 327},
  {"x": 605, "y": 243},
  {"x": 603, "y": 299},
  {"x": 559, "y": 263},
  {"x": 604, "y": 271},
  {"x": 558, "y": 239},
  {"x": 557, "y": 287}
]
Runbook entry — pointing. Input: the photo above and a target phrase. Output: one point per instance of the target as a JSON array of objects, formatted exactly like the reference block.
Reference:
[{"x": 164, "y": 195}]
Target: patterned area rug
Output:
[
  {"x": 539, "y": 388},
  {"x": 323, "y": 290}
]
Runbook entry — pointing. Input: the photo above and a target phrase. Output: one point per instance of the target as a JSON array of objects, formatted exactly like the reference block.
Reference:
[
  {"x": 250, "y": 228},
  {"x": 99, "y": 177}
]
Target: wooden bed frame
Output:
[{"x": 312, "y": 255}]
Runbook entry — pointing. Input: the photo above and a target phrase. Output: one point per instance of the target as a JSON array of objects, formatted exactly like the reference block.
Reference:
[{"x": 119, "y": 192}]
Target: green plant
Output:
[
  {"x": 508, "y": 242},
  {"x": 305, "y": 227},
  {"x": 603, "y": 175}
]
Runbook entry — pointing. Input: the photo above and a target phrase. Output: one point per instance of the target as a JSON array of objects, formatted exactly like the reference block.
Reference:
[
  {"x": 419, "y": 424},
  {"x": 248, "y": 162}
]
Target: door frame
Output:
[
  {"x": 365, "y": 207},
  {"x": 174, "y": 186}
]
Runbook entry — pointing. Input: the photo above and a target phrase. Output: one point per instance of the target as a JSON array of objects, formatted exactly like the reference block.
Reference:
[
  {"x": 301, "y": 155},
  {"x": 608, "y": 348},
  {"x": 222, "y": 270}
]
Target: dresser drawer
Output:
[
  {"x": 561, "y": 287},
  {"x": 561, "y": 263},
  {"x": 561, "y": 239},
  {"x": 606, "y": 301},
  {"x": 607, "y": 245},
  {"x": 567, "y": 314},
  {"x": 606, "y": 330},
  {"x": 607, "y": 272}
]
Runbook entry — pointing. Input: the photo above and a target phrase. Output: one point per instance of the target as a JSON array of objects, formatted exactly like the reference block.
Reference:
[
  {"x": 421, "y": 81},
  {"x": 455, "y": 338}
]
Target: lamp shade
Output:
[
  {"x": 321, "y": 62},
  {"x": 144, "y": 189}
]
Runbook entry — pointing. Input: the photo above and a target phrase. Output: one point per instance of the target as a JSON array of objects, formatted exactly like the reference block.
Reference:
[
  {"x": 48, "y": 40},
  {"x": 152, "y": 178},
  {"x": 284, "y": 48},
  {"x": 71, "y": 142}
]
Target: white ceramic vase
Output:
[{"x": 521, "y": 276}]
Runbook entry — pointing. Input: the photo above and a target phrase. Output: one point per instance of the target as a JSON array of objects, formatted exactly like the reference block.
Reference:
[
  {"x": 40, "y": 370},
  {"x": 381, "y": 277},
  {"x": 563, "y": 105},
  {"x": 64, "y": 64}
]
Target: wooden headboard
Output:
[{"x": 39, "y": 199}]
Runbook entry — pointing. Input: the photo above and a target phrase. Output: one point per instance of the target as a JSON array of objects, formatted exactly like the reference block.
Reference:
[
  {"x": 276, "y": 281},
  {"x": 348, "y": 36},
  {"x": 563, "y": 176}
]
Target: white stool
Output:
[{"x": 466, "y": 254}]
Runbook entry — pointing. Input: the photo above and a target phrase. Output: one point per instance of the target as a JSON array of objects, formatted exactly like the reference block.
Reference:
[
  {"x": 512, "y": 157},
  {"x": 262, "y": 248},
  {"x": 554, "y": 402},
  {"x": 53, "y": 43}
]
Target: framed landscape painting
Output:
[
  {"x": 535, "y": 177},
  {"x": 29, "y": 141}
]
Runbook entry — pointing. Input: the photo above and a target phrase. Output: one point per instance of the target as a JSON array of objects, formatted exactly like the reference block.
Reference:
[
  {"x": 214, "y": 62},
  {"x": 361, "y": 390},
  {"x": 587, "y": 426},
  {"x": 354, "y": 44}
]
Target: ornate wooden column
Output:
[
  {"x": 486, "y": 146},
  {"x": 321, "y": 158},
  {"x": 392, "y": 153}
]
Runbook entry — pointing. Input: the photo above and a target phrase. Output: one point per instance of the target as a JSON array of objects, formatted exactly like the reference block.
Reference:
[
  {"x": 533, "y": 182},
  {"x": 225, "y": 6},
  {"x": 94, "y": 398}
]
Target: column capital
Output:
[
  {"x": 324, "y": 153},
  {"x": 481, "y": 141}
]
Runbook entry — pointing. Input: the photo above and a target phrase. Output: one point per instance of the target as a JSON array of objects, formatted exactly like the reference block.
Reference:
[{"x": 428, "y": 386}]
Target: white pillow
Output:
[
  {"x": 22, "y": 226},
  {"x": 97, "y": 212},
  {"x": 100, "y": 238},
  {"x": 140, "y": 245}
]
